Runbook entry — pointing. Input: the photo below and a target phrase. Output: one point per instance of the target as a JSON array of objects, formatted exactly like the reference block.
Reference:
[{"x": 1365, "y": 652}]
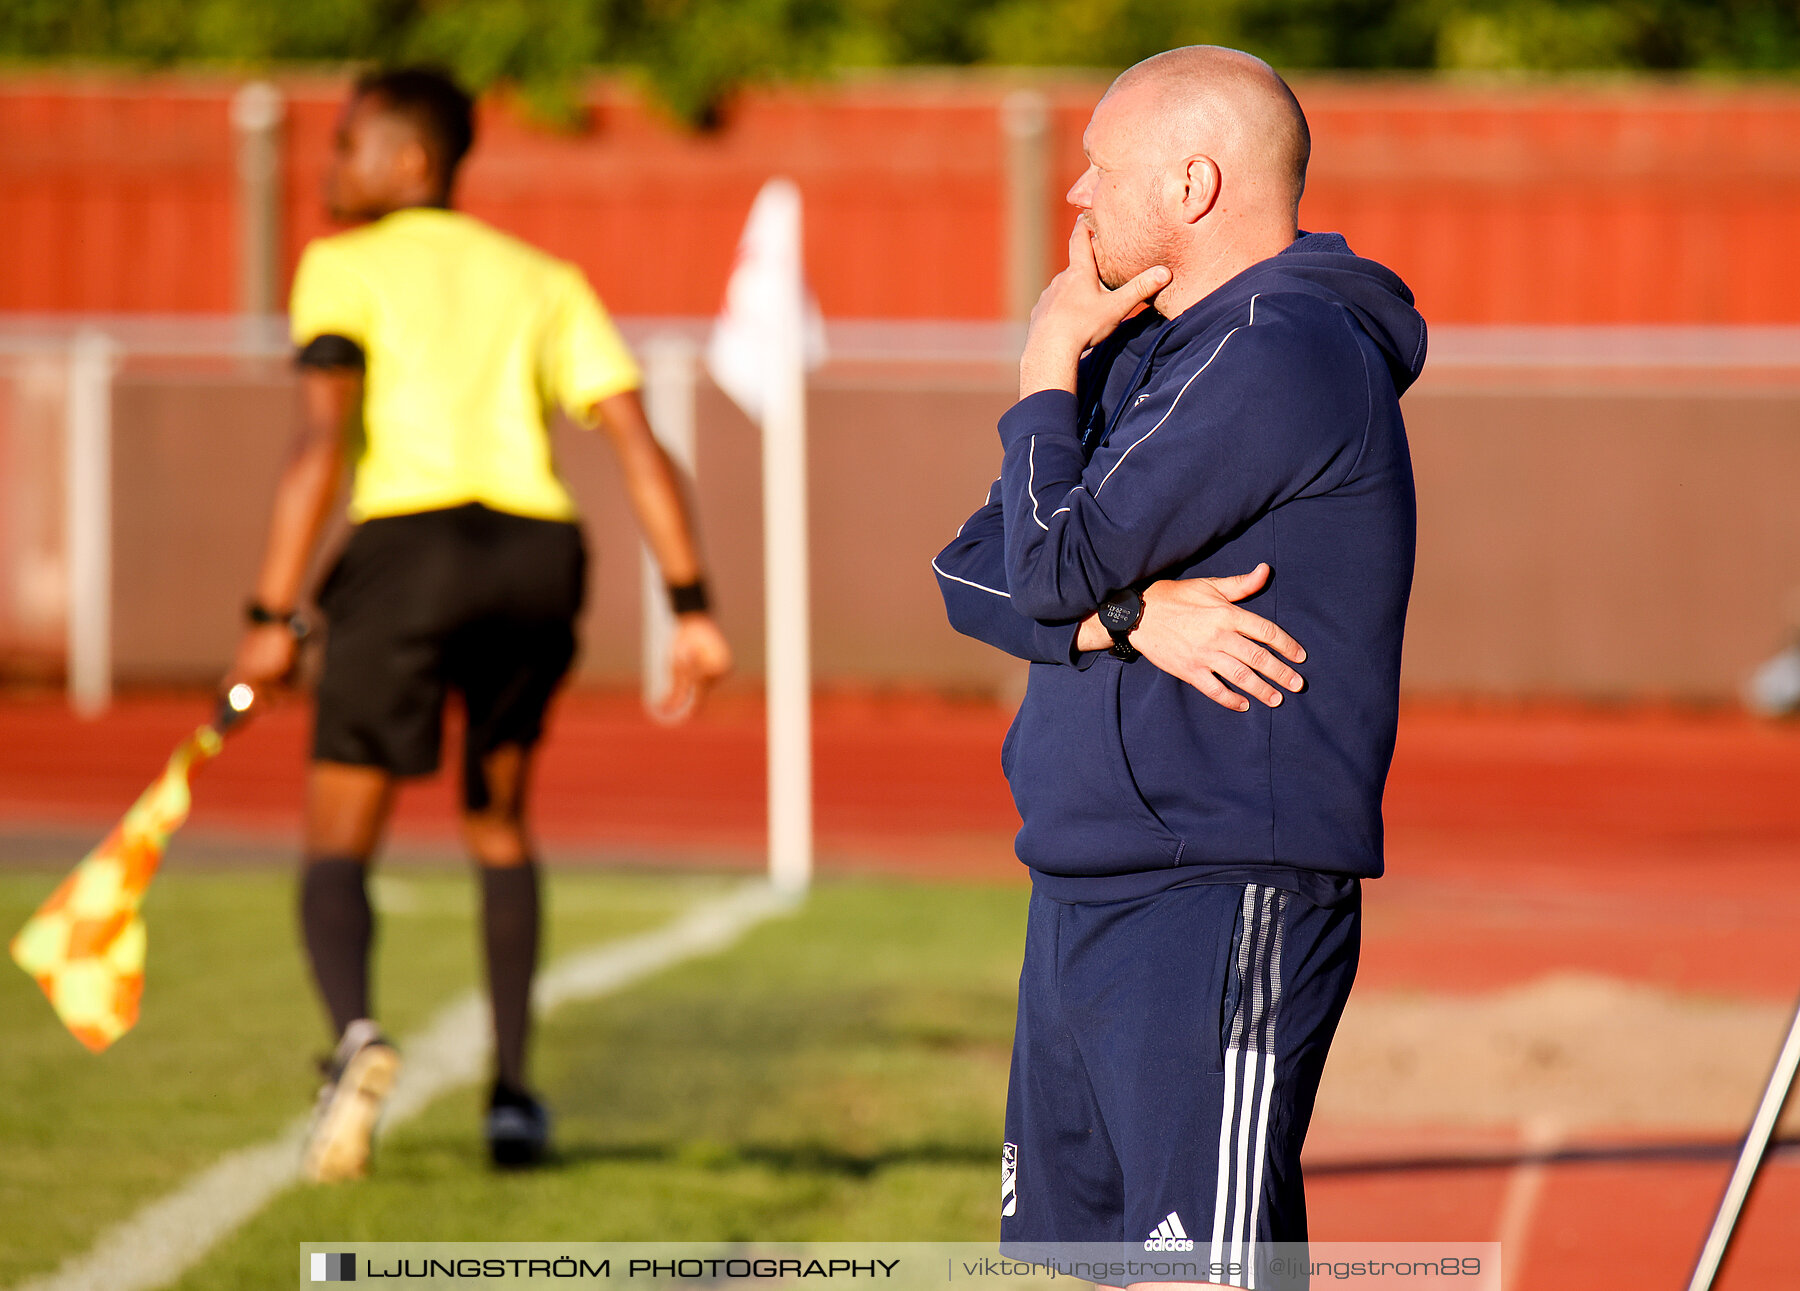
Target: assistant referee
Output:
[{"x": 432, "y": 351}]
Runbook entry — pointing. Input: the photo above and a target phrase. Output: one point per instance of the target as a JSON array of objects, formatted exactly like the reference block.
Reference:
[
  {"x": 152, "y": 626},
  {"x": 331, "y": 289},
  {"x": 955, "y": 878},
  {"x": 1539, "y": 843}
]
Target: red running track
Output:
[{"x": 1681, "y": 824}]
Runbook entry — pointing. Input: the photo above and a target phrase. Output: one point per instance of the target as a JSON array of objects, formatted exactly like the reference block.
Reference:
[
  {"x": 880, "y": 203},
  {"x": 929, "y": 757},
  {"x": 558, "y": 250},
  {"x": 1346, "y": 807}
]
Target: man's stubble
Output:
[{"x": 1128, "y": 242}]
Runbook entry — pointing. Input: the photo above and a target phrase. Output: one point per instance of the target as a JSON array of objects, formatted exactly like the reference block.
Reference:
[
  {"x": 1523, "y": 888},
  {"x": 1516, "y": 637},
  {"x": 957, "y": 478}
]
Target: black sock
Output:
[
  {"x": 509, "y": 917},
  {"x": 338, "y": 926}
]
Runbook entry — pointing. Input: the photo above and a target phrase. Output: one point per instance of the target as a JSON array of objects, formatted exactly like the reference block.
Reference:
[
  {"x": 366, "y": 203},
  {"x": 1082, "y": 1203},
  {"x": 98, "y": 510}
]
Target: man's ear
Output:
[{"x": 1200, "y": 187}]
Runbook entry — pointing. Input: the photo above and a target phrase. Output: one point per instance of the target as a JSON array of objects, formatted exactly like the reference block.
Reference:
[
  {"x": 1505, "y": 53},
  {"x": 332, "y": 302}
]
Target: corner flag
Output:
[
  {"x": 767, "y": 336},
  {"x": 770, "y": 319}
]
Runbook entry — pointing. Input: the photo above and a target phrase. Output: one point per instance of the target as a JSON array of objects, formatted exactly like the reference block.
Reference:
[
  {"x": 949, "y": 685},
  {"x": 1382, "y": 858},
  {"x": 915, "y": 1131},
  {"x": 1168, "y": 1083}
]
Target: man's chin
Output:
[
  {"x": 1115, "y": 278},
  {"x": 1111, "y": 275},
  {"x": 1112, "y": 278}
]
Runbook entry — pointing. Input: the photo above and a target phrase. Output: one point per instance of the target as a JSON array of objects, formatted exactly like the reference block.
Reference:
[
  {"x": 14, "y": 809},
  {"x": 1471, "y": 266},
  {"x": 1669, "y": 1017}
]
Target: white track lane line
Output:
[
  {"x": 1518, "y": 1205},
  {"x": 169, "y": 1236}
]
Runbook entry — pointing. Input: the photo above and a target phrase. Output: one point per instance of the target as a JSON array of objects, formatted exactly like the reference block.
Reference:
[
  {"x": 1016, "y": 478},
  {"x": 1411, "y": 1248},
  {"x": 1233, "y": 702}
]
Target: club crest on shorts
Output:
[
  {"x": 1169, "y": 1236},
  {"x": 1009, "y": 1178}
]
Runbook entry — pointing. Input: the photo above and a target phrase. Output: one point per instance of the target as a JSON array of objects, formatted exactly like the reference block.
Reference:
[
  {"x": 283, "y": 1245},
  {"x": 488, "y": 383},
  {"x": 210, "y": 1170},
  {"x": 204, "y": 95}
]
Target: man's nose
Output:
[{"x": 1081, "y": 190}]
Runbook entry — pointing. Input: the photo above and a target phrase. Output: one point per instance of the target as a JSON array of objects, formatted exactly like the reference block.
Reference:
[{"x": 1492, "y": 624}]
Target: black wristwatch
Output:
[
  {"x": 1119, "y": 614},
  {"x": 259, "y": 615}
]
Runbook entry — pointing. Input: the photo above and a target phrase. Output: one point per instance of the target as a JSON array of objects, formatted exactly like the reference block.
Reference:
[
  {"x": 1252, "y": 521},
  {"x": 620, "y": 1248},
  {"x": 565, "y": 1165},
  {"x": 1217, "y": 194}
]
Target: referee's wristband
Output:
[
  {"x": 689, "y": 598},
  {"x": 259, "y": 615}
]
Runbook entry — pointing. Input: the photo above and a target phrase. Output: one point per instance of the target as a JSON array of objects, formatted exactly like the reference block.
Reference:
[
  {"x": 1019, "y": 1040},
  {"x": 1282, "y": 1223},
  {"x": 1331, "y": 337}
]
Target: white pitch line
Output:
[{"x": 167, "y": 1237}]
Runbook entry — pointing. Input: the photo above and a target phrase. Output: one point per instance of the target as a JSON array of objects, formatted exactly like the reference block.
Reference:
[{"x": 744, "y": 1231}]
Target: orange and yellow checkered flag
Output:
[{"x": 85, "y": 945}]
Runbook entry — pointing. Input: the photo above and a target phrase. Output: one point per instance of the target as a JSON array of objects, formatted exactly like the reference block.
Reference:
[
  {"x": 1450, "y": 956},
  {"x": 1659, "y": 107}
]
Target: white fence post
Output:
[
  {"x": 671, "y": 362},
  {"x": 87, "y": 467},
  {"x": 257, "y": 110},
  {"x": 1025, "y": 122}
]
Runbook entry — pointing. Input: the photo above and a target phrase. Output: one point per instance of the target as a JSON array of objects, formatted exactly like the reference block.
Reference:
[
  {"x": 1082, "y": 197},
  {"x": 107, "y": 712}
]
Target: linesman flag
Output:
[{"x": 85, "y": 945}]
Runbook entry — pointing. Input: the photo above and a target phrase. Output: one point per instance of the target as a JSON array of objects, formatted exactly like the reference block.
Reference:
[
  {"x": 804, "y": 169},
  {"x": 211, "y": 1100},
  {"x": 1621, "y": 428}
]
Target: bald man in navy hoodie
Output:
[{"x": 1205, "y": 390}]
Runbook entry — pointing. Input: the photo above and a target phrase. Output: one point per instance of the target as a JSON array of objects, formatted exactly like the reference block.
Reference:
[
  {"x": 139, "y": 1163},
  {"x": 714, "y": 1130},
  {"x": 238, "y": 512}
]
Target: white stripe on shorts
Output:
[{"x": 1249, "y": 1082}]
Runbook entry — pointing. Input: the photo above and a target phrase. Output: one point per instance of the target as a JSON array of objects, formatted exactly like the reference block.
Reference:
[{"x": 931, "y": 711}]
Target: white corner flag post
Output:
[{"x": 768, "y": 335}]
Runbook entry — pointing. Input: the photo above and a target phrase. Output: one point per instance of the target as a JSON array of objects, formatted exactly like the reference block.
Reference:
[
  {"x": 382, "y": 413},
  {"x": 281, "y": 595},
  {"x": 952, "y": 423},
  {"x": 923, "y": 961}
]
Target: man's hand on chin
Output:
[{"x": 1076, "y": 312}]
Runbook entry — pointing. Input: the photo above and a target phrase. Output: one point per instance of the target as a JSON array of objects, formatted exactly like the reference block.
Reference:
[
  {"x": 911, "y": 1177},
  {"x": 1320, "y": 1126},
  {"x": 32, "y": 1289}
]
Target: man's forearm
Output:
[
  {"x": 303, "y": 499},
  {"x": 1091, "y": 636},
  {"x": 972, "y": 577},
  {"x": 307, "y": 487},
  {"x": 1048, "y": 367},
  {"x": 653, "y": 485},
  {"x": 655, "y": 490},
  {"x": 699, "y": 655},
  {"x": 1057, "y": 568}
]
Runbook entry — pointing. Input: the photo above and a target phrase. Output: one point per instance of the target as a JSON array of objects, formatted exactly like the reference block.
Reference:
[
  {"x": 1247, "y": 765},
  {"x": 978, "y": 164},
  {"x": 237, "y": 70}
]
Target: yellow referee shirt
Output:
[{"x": 470, "y": 339}]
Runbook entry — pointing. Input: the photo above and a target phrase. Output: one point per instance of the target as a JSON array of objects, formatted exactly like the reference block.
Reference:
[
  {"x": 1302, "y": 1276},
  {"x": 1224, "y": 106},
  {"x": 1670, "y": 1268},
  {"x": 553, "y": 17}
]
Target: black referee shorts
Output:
[{"x": 465, "y": 599}]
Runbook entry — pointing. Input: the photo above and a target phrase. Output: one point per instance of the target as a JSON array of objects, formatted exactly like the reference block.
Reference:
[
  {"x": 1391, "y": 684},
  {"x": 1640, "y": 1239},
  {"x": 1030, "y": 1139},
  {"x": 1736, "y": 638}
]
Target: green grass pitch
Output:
[{"x": 837, "y": 1075}]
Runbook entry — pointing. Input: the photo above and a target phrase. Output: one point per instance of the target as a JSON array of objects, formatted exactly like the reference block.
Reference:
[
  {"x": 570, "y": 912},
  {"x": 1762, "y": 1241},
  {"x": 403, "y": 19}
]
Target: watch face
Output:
[{"x": 1119, "y": 616}]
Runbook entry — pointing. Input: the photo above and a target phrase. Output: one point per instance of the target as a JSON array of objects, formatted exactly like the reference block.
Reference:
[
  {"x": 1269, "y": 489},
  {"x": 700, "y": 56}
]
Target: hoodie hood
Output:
[{"x": 1322, "y": 264}]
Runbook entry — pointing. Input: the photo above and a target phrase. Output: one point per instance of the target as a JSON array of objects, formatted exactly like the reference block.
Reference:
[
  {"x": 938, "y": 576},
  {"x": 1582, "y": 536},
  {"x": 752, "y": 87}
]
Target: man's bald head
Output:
[{"x": 1228, "y": 105}]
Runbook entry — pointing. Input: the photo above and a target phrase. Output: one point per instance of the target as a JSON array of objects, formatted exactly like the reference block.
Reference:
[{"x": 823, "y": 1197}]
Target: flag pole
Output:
[{"x": 787, "y": 606}]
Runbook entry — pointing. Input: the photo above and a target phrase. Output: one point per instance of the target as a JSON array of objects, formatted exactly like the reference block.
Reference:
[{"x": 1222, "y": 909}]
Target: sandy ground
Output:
[{"x": 1574, "y": 1051}]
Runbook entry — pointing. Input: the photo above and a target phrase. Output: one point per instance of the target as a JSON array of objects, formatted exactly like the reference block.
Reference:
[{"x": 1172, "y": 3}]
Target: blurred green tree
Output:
[{"x": 692, "y": 52}]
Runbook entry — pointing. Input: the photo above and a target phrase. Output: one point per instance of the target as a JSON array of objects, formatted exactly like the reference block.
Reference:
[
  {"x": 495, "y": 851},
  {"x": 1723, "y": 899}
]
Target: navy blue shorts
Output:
[{"x": 1164, "y": 1065}]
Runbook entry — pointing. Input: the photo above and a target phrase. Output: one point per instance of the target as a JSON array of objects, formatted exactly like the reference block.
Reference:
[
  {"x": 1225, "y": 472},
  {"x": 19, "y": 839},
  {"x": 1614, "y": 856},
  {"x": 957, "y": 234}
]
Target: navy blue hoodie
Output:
[{"x": 1262, "y": 424}]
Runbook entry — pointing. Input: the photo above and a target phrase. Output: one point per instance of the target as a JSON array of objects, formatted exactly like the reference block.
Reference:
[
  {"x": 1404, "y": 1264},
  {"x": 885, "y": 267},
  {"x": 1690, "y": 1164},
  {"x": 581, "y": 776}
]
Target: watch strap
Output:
[
  {"x": 259, "y": 615},
  {"x": 689, "y": 598},
  {"x": 1120, "y": 614}
]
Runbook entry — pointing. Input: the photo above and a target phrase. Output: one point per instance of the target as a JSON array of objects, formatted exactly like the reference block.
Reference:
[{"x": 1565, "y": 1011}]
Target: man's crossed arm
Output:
[{"x": 1191, "y": 628}]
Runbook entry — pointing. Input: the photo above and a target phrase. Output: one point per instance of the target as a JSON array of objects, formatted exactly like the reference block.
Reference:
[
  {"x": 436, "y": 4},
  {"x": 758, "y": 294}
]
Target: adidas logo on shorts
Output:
[{"x": 1169, "y": 1236}]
